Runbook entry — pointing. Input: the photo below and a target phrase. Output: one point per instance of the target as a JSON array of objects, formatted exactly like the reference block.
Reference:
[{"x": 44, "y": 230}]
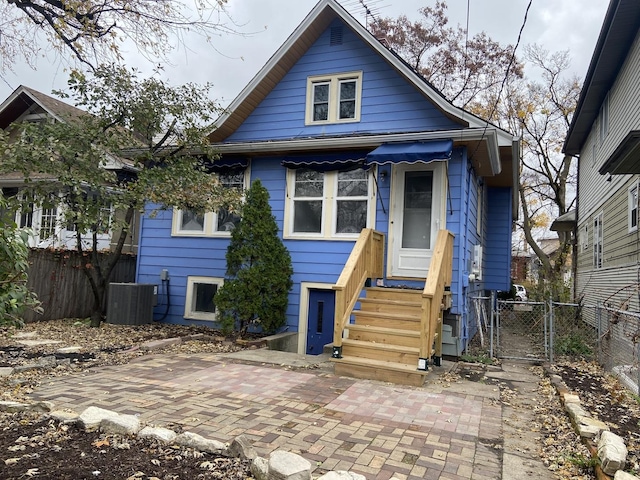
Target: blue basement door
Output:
[{"x": 320, "y": 320}]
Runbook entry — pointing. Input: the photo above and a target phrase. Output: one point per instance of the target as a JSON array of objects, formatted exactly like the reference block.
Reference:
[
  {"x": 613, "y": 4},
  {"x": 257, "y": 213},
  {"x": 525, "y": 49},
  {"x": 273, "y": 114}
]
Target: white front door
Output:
[{"x": 417, "y": 213}]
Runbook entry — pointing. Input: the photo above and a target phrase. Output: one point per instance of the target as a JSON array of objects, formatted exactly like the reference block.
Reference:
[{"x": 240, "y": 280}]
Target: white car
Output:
[{"x": 521, "y": 293}]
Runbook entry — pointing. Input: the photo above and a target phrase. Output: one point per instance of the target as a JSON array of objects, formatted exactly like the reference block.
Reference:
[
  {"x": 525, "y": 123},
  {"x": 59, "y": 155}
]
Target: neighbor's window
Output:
[
  {"x": 48, "y": 222},
  {"x": 328, "y": 204},
  {"x": 633, "y": 208},
  {"x": 220, "y": 223},
  {"x": 200, "y": 300},
  {"x": 585, "y": 238},
  {"x": 597, "y": 241},
  {"x": 334, "y": 98}
]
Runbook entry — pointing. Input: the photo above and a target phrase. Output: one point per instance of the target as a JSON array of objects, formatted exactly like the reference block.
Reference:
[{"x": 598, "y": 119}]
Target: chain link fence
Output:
[
  {"x": 521, "y": 330},
  {"x": 557, "y": 332},
  {"x": 618, "y": 345}
]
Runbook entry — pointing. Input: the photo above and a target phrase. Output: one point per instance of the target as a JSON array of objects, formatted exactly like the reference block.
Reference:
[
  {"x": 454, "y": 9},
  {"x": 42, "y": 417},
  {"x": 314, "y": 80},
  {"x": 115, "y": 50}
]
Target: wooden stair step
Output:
[
  {"x": 388, "y": 320},
  {"x": 388, "y": 301},
  {"x": 380, "y": 351},
  {"x": 384, "y": 335},
  {"x": 393, "y": 293},
  {"x": 391, "y": 306},
  {"x": 379, "y": 370}
]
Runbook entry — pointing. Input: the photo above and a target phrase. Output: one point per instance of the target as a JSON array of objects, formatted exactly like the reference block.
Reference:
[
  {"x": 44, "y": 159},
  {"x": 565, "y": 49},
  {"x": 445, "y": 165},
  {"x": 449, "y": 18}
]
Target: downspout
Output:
[
  {"x": 574, "y": 252},
  {"x": 464, "y": 248}
]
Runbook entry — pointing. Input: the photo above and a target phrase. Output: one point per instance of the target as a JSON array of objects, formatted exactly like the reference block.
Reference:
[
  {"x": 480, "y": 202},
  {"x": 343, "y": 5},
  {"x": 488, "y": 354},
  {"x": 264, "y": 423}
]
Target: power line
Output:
[
  {"x": 506, "y": 76},
  {"x": 5, "y": 81}
]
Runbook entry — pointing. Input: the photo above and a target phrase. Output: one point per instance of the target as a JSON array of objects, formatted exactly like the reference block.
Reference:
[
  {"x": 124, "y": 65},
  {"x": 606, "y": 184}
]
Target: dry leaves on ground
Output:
[{"x": 33, "y": 447}]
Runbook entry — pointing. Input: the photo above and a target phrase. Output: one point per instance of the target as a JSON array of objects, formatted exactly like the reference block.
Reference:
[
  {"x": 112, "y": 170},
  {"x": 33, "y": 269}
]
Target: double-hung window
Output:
[
  {"x": 633, "y": 208},
  {"x": 352, "y": 201},
  {"x": 334, "y": 98},
  {"x": 220, "y": 223},
  {"x": 328, "y": 204}
]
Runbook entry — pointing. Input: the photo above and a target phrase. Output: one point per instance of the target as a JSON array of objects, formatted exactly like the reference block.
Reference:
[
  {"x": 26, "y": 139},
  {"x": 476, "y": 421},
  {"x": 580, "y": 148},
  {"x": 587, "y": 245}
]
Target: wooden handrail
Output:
[
  {"x": 365, "y": 261},
  {"x": 439, "y": 276}
]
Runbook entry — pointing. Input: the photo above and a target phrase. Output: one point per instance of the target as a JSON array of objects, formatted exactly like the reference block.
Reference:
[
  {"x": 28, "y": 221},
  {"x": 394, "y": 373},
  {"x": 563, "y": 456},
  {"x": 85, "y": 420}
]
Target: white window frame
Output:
[
  {"x": 333, "y": 81},
  {"x": 190, "y": 299},
  {"x": 598, "y": 240},
  {"x": 585, "y": 238},
  {"x": 329, "y": 208},
  {"x": 210, "y": 224},
  {"x": 634, "y": 190}
]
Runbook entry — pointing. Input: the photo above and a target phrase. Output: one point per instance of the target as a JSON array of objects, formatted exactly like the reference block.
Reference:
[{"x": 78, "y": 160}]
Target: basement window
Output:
[{"x": 200, "y": 299}]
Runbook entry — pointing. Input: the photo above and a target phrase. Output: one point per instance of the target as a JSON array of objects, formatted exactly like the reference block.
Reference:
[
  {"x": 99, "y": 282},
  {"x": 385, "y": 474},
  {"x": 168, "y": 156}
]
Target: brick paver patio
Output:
[{"x": 375, "y": 429}]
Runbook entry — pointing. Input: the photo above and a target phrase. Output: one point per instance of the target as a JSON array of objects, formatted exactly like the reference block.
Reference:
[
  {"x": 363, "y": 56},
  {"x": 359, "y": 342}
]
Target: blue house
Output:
[{"x": 368, "y": 167}]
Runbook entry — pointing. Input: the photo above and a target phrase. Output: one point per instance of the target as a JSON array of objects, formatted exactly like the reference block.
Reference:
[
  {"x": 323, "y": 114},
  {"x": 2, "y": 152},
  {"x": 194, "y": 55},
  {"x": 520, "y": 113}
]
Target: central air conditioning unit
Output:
[{"x": 131, "y": 303}]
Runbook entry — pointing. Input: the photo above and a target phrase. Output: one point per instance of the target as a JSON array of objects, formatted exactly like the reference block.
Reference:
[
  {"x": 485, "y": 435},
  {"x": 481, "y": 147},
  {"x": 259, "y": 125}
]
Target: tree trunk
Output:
[{"x": 98, "y": 276}]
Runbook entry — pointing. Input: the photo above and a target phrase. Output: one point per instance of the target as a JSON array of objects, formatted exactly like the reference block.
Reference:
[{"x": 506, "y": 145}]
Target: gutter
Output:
[{"x": 317, "y": 144}]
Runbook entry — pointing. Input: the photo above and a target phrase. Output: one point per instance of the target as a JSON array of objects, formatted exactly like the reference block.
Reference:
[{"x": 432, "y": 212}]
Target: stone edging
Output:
[
  {"x": 605, "y": 446},
  {"x": 280, "y": 465}
]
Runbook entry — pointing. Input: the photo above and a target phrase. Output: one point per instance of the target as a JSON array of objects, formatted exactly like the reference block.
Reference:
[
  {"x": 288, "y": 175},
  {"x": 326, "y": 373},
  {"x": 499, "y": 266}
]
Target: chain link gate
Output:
[
  {"x": 521, "y": 330},
  {"x": 552, "y": 331}
]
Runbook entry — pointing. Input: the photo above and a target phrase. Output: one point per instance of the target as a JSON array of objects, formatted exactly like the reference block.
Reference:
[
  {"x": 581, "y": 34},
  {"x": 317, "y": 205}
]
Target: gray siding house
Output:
[{"x": 605, "y": 136}]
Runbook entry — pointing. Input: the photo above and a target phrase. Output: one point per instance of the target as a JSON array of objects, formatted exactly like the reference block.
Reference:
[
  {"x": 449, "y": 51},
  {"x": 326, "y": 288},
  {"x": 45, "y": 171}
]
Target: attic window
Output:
[
  {"x": 336, "y": 36},
  {"x": 334, "y": 98}
]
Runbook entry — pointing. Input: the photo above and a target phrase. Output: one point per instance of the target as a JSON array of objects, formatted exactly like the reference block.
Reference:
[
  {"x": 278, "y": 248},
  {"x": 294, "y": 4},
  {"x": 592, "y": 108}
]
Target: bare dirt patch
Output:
[{"x": 32, "y": 446}]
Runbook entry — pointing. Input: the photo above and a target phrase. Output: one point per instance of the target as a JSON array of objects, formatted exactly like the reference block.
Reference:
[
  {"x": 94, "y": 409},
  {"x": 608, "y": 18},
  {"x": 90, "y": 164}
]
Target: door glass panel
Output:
[
  {"x": 320, "y": 317},
  {"x": 416, "y": 223}
]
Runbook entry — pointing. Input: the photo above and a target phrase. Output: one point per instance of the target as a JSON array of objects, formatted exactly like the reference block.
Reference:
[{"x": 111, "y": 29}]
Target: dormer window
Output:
[{"x": 334, "y": 98}]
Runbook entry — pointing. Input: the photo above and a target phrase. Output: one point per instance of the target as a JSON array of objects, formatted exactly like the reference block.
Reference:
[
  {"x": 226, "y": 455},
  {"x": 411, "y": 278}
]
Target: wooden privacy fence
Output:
[{"x": 55, "y": 276}]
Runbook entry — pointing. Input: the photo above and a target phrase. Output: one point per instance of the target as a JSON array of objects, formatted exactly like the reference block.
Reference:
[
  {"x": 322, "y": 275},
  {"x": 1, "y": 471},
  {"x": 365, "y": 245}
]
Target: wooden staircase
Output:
[
  {"x": 383, "y": 343},
  {"x": 390, "y": 334}
]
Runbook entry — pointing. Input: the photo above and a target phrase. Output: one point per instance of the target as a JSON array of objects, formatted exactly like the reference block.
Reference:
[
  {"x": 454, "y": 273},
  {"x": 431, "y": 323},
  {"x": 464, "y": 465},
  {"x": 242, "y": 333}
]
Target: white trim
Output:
[
  {"x": 598, "y": 241},
  {"x": 189, "y": 300},
  {"x": 210, "y": 226},
  {"x": 333, "y": 81},
  {"x": 303, "y": 325},
  {"x": 438, "y": 219},
  {"x": 22, "y": 89},
  {"x": 490, "y": 135},
  {"x": 329, "y": 208},
  {"x": 633, "y": 204}
]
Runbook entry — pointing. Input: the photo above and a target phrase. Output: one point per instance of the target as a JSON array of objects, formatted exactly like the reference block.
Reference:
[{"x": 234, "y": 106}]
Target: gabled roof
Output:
[
  {"x": 303, "y": 37},
  {"x": 24, "y": 98},
  {"x": 619, "y": 29}
]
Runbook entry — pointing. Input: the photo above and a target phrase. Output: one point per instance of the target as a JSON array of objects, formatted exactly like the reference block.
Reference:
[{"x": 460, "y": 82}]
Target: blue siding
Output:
[
  {"x": 389, "y": 103},
  {"x": 498, "y": 251},
  {"x": 313, "y": 261}
]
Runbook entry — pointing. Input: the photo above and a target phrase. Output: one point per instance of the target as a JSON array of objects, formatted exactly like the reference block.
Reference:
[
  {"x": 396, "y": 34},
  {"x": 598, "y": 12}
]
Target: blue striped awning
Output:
[
  {"x": 224, "y": 164},
  {"x": 413, "y": 152},
  {"x": 327, "y": 162}
]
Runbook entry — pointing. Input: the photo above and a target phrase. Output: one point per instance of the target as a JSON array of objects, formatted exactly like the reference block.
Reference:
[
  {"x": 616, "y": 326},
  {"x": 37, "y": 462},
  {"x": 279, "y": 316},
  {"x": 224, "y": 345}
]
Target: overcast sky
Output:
[{"x": 571, "y": 25}]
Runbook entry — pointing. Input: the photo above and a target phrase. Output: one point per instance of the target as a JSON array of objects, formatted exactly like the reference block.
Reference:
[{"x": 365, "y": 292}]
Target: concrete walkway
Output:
[{"x": 444, "y": 430}]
